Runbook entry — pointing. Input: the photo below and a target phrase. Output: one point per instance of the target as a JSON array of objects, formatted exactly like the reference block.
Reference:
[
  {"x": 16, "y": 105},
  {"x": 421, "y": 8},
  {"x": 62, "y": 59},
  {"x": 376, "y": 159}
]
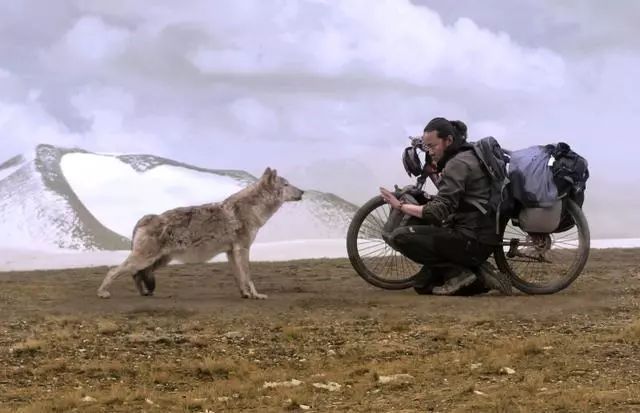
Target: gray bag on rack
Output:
[{"x": 533, "y": 186}]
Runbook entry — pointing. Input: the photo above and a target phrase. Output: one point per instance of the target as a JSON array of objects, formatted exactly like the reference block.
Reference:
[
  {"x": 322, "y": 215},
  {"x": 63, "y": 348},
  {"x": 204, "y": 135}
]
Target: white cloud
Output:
[
  {"x": 488, "y": 128},
  {"x": 89, "y": 44},
  {"x": 93, "y": 99},
  {"x": 25, "y": 125},
  {"x": 385, "y": 40},
  {"x": 255, "y": 117},
  {"x": 294, "y": 83}
]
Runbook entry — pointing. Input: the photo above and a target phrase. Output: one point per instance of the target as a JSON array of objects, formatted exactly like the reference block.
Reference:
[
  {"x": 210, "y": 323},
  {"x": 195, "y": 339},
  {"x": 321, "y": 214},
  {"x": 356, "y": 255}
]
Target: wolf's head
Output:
[{"x": 280, "y": 186}]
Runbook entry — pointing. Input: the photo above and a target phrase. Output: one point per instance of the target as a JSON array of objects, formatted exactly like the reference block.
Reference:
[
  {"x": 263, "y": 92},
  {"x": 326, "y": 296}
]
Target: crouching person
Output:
[{"x": 451, "y": 237}]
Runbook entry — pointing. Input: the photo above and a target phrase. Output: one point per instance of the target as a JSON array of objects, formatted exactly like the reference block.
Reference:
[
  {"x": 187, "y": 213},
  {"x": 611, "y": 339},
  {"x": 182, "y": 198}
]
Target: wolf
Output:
[{"x": 198, "y": 233}]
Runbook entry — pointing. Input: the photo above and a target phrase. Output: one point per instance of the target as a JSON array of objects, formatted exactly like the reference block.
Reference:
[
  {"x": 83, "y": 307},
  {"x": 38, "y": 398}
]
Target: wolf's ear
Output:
[
  {"x": 269, "y": 175},
  {"x": 272, "y": 177}
]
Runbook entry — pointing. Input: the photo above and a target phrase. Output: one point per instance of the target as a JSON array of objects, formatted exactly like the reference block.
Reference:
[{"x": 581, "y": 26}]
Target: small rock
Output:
[
  {"x": 543, "y": 389},
  {"x": 507, "y": 370},
  {"x": 294, "y": 405},
  {"x": 223, "y": 399},
  {"x": 476, "y": 366},
  {"x": 479, "y": 393},
  {"x": 233, "y": 334},
  {"x": 547, "y": 348},
  {"x": 88, "y": 399},
  {"x": 148, "y": 401},
  {"x": 271, "y": 384},
  {"x": 402, "y": 378},
  {"x": 331, "y": 386},
  {"x": 331, "y": 352}
]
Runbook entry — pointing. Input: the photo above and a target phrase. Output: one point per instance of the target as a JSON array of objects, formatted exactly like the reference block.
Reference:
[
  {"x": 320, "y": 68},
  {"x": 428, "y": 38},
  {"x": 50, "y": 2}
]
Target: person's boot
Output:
[
  {"x": 424, "y": 281},
  {"x": 494, "y": 279},
  {"x": 459, "y": 278},
  {"x": 476, "y": 288}
]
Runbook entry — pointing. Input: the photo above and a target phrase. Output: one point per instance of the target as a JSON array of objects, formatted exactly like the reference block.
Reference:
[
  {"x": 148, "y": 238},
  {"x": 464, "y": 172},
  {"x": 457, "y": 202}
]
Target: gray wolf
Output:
[{"x": 198, "y": 233}]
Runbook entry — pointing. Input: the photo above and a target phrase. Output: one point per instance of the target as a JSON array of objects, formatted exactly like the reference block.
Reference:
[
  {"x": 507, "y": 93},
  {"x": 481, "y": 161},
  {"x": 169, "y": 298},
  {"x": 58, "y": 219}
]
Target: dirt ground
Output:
[{"x": 324, "y": 341}]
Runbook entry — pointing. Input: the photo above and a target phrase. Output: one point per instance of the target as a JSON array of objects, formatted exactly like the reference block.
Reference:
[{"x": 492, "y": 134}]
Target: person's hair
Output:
[{"x": 444, "y": 128}]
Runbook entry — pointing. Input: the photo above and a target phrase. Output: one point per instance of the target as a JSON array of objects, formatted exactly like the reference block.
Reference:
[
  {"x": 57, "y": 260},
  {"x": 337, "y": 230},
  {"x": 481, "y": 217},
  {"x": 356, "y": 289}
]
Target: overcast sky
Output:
[{"x": 326, "y": 91}]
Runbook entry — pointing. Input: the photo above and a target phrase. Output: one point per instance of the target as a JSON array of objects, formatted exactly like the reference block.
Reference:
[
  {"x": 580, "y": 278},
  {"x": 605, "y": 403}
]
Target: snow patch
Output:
[
  {"x": 615, "y": 243},
  {"x": 33, "y": 216},
  {"x": 118, "y": 196},
  {"x": 119, "y": 193},
  {"x": 29, "y": 259},
  {"x": 4, "y": 173}
]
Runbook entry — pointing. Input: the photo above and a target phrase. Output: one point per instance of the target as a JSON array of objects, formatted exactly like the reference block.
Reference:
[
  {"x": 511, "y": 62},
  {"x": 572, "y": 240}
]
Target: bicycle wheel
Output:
[
  {"x": 371, "y": 257},
  {"x": 545, "y": 263}
]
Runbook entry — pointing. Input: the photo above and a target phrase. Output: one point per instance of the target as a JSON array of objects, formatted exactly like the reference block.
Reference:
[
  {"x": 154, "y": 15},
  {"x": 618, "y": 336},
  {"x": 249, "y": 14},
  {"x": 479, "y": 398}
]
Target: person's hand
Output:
[
  {"x": 390, "y": 198},
  {"x": 431, "y": 168}
]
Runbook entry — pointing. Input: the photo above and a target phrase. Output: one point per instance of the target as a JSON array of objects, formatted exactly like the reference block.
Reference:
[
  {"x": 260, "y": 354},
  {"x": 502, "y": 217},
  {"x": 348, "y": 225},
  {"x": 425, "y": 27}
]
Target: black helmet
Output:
[{"x": 411, "y": 161}]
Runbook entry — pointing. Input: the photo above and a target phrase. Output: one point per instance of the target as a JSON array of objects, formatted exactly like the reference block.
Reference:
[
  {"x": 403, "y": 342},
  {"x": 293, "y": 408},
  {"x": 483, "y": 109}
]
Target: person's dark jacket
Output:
[{"x": 462, "y": 178}]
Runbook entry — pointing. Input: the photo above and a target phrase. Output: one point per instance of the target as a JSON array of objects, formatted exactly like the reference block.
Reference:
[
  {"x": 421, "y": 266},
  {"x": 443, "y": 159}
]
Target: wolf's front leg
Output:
[{"x": 239, "y": 261}]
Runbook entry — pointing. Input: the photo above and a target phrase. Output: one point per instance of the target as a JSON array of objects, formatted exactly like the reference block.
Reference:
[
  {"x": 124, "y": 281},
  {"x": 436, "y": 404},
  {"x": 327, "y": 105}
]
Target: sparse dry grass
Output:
[
  {"x": 631, "y": 333},
  {"x": 28, "y": 347},
  {"x": 193, "y": 352},
  {"x": 107, "y": 327}
]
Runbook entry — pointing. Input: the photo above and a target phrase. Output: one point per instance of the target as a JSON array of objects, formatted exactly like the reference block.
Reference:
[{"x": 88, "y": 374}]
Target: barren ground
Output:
[{"x": 196, "y": 346}]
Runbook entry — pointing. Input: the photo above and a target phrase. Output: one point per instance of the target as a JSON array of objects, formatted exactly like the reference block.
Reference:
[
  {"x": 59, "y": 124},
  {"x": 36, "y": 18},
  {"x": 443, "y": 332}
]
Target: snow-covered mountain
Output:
[{"x": 72, "y": 198}]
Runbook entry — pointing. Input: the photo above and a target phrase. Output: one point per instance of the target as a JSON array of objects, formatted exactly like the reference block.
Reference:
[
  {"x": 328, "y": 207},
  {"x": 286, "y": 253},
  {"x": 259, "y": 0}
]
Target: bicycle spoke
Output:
[{"x": 374, "y": 252}]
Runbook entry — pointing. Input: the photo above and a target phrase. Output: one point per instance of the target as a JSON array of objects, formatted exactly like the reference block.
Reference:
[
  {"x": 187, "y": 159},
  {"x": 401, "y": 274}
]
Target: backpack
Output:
[
  {"x": 494, "y": 161},
  {"x": 570, "y": 172}
]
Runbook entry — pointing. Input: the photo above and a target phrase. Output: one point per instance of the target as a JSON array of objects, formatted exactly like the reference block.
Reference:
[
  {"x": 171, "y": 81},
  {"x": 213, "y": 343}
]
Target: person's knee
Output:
[
  {"x": 401, "y": 236},
  {"x": 413, "y": 232}
]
